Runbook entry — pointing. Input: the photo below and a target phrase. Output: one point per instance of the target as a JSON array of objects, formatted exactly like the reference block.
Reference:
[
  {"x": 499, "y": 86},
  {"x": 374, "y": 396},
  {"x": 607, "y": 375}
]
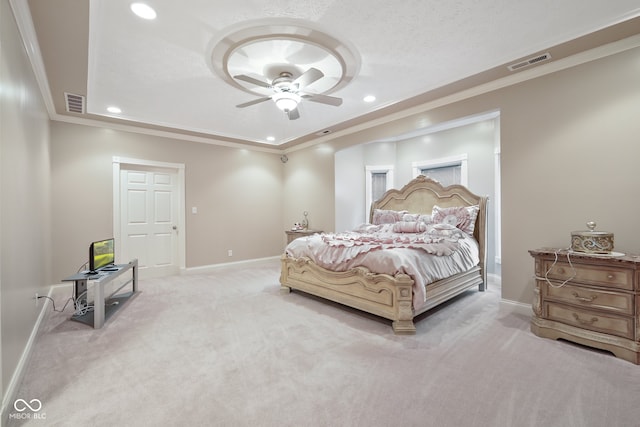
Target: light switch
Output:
[{"x": 194, "y": 210}]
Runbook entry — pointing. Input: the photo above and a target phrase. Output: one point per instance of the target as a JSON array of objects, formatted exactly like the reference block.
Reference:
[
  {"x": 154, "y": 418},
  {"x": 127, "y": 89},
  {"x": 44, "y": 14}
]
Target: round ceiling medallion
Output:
[{"x": 269, "y": 48}]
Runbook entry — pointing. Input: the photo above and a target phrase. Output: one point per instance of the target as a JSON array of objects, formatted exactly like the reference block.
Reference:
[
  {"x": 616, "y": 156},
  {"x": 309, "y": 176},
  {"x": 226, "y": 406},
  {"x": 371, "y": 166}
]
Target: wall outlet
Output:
[{"x": 230, "y": 252}]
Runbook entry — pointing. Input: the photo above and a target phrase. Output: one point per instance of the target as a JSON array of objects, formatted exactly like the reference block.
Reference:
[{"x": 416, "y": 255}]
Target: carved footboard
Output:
[{"x": 380, "y": 294}]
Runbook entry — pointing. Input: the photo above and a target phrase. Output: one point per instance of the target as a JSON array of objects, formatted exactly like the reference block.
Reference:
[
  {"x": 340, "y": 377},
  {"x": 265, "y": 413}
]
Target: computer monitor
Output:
[{"x": 101, "y": 254}]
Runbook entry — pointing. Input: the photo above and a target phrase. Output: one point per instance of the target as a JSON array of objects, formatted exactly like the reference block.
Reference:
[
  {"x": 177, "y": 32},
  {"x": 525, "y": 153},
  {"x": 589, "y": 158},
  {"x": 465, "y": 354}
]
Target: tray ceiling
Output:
[{"x": 176, "y": 73}]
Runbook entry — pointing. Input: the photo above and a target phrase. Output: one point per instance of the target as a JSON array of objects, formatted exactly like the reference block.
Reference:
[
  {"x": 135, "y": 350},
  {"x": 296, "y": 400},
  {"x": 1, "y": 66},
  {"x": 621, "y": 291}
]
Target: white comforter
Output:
[{"x": 426, "y": 257}]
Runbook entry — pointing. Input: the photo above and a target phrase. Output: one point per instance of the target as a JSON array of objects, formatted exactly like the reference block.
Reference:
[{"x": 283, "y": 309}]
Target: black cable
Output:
[
  {"x": 80, "y": 309},
  {"x": 54, "y": 303},
  {"x": 82, "y": 267}
]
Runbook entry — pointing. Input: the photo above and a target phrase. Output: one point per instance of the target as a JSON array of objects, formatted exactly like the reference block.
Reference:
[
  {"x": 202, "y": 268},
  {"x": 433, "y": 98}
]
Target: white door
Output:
[{"x": 149, "y": 203}]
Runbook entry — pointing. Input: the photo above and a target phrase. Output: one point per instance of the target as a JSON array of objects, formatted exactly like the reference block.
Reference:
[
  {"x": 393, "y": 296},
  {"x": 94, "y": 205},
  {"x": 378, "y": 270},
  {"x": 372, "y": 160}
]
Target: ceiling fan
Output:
[{"x": 288, "y": 92}]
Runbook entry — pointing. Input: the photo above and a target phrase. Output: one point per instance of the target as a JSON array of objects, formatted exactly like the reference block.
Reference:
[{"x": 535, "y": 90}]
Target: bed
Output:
[{"x": 395, "y": 293}]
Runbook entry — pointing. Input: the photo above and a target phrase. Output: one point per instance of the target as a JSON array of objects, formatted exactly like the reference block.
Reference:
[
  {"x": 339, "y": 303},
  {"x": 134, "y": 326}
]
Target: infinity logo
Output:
[{"x": 21, "y": 405}]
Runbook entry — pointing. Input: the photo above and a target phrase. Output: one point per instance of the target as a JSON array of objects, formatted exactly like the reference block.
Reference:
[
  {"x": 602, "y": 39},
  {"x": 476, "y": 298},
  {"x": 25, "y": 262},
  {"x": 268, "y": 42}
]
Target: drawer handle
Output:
[
  {"x": 585, "y": 322},
  {"x": 584, "y": 299},
  {"x": 610, "y": 276}
]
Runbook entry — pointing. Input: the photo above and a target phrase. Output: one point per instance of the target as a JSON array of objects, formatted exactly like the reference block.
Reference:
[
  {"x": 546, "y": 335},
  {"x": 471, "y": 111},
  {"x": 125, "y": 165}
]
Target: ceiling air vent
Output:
[
  {"x": 75, "y": 103},
  {"x": 530, "y": 61}
]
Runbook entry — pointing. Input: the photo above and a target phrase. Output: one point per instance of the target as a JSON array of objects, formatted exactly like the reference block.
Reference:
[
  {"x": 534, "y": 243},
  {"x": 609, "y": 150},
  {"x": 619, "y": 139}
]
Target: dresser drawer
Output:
[
  {"x": 612, "y": 301},
  {"x": 611, "y": 277},
  {"x": 611, "y": 324}
]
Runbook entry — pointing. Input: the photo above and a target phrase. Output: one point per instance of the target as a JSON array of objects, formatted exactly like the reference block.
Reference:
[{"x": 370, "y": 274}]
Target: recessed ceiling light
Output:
[
  {"x": 271, "y": 138},
  {"x": 369, "y": 98},
  {"x": 114, "y": 110},
  {"x": 144, "y": 11}
]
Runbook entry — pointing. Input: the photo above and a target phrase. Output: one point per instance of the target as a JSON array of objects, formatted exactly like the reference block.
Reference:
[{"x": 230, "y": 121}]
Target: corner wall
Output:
[{"x": 25, "y": 225}]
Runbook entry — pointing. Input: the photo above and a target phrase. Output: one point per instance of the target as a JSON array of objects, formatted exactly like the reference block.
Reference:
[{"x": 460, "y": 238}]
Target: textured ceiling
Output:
[{"x": 165, "y": 73}]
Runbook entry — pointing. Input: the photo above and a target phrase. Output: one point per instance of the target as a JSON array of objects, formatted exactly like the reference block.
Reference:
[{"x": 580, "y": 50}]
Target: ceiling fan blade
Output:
[
  {"x": 308, "y": 77},
  {"x": 324, "y": 99},
  {"x": 293, "y": 114},
  {"x": 254, "y": 102},
  {"x": 252, "y": 80}
]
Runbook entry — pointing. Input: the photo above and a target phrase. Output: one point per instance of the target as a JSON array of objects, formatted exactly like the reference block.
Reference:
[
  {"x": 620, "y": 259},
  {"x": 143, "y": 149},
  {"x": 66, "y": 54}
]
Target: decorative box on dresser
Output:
[{"x": 592, "y": 300}]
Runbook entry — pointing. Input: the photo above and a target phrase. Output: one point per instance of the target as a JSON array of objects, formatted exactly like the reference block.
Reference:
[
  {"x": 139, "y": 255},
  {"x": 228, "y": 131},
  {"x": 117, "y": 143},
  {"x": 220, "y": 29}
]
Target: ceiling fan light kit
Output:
[
  {"x": 286, "y": 101},
  {"x": 288, "y": 92}
]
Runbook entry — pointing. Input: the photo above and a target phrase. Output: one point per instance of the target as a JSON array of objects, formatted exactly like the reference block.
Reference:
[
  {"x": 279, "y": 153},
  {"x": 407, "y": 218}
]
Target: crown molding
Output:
[
  {"x": 520, "y": 77},
  {"x": 24, "y": 21},
  {"x": 160, "y": 133}
]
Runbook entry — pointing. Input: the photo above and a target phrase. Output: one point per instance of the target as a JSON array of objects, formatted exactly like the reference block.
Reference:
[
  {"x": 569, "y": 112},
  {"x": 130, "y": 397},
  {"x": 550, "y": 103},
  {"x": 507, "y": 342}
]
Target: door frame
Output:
[{"x": 118, "y": 162}]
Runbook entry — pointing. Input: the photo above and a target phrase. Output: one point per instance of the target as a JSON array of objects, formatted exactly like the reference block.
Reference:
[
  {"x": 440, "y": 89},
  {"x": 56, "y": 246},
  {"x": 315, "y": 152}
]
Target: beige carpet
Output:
[{"x": 227, "y": 349}]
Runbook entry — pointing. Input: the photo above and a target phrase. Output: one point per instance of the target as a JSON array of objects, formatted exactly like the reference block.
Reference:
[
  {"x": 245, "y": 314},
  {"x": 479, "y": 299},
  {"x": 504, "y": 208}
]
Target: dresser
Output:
[
  {"x": 294, "y": 234},
  {"x": 590, "y": 300}
]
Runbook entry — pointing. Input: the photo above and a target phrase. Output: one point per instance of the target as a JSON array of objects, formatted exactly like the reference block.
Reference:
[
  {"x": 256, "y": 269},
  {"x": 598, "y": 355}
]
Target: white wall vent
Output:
[
  {"x": 530, "y": 61},
  {"x": 75, "y": 103}
]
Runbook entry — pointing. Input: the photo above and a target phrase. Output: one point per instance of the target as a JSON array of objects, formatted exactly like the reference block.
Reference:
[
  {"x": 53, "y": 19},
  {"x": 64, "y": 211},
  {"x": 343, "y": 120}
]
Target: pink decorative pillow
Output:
[
  {"x": 409, "y": 227},
  {"x": 382, "y": 216},
  {"x": 462, "y": 217}
]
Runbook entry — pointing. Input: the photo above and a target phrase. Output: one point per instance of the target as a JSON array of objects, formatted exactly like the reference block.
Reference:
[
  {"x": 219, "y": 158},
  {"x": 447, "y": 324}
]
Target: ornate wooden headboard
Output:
[{"x": 422, "y": 193}]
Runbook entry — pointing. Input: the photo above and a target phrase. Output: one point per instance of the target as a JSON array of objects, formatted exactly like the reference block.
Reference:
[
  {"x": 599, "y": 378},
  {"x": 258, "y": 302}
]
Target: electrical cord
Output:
[
  {"x": 83, "y": 267},
  {"x": 81, "y": 308},
  {"x": 53, "y": 303},
  {"x": 546, "y": 274}
]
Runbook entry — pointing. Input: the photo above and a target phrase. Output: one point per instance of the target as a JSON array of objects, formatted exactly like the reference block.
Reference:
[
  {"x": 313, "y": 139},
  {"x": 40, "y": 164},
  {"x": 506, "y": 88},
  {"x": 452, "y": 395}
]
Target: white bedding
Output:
[{"x": 426, "y": 257}]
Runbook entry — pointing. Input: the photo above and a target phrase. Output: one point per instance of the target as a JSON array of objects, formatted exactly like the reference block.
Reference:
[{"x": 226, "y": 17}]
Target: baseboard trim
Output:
[
  {"x": 213, "y": 267},
  {"x": 494, "y": 279},
  {"x": 18, "y": 374},
  {"x": 516, "y": 307}
]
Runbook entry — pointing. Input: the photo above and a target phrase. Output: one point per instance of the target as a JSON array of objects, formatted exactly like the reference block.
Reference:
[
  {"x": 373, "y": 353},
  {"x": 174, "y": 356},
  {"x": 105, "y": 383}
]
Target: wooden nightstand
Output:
[
  {"x": 590, "y": 300},
  {"x": 292, "y": 235}
]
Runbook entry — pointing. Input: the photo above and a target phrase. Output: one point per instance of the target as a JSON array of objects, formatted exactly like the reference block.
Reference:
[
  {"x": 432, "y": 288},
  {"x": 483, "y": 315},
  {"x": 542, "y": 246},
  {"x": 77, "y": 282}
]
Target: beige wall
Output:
[
  {"x": 238, "y": 195},
  {"x": 309, "y": 186},
  {"x": 569, "y": 155},
  {"x": 25, "y": 216},
  {"x": 569, "y": 147},
  {"x": 350, "y": 184}
]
